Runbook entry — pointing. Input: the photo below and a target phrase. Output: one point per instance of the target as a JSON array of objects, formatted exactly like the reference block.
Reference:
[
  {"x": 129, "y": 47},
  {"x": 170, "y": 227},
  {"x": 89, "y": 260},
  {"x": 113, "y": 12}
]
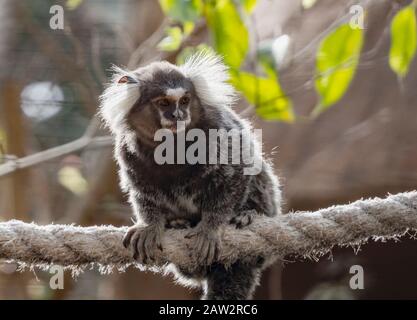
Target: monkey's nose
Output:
[
  {"x": 170, "y": 116},
  {"x": 175, "y": 115}
]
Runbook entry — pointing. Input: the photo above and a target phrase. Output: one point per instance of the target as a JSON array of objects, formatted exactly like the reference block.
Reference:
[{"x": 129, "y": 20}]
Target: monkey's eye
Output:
[
  {"x": 163, "y": 102},
  {"x": 184, "y": 100}
]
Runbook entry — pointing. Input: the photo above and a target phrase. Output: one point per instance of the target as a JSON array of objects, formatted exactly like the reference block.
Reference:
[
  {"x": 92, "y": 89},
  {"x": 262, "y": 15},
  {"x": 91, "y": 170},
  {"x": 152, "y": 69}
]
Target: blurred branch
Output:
[
  {"x": 96, "y": 57},
  {"x": 52, "y": 153},
  {"x": 147, "y": 51},
  {"x": 87, "y": 139},
  {"x": 150, "y": 42},
  {"x": 301, "y": 234},
  {"x": 70, "y": 69}
]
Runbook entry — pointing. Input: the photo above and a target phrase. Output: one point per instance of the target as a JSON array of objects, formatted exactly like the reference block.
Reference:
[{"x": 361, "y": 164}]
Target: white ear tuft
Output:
[
  {"x": 210, "y": 78},
  {"x": 118, "y": 99}
]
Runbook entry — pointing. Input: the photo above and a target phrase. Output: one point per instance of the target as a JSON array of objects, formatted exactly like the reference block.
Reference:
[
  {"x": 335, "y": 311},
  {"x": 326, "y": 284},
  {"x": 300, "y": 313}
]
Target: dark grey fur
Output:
[{"x": 199, "y": 196}]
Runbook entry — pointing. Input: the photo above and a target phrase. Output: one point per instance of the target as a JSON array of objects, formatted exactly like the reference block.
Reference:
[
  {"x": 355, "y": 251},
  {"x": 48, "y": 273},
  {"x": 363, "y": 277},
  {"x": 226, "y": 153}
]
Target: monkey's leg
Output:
[{"x": 237, "y": 282}]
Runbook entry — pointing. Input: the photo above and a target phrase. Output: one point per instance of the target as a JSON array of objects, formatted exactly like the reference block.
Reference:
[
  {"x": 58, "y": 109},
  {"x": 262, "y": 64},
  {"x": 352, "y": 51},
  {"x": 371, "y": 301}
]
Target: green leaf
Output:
[
  {"x": 188, "y": 27},
  {"x": 248, "y": 5},
  {"x": 73, "y": 4},
  {"x": 189, "y": 51},
  {"x": 172, "y": 41},
  {"x": 307, "y": 4},
  {"x": 403, "y": 41},
  {"x": 230, "y": 35},
  {"x": 72, "y": 179},
  {"x": 265, "y": 94},
  {"x": 336, "y": 64},
  {"x": 182, "y": 10}
]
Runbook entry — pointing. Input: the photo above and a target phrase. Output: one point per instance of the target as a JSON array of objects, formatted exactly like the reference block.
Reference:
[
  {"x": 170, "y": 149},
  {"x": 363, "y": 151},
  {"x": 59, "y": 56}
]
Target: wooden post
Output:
[{"x": 14, "y": 204}]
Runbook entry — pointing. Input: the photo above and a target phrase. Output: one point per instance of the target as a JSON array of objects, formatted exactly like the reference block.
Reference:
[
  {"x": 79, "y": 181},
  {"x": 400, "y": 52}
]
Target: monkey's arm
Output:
[
  {"x": 145, "y": 240},
  {"x": 217, "y": 203}
]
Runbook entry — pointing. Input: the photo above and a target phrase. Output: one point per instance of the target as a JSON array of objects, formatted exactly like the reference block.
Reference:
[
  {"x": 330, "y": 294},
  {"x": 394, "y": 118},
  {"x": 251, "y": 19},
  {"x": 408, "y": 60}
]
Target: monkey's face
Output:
[
  {"x": 164, "y": 96},
  {"x": 173, "y": 106},
  {"x": 167, "y": 100}
]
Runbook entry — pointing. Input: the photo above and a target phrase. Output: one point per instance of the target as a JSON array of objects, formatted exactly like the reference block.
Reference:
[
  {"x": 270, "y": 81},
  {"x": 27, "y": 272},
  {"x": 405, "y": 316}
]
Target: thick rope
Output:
[{"x": 299, "y": 234}]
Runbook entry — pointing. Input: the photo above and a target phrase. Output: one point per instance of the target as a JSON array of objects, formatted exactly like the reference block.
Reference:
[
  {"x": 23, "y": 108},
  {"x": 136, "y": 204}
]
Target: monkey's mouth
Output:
[{"x": 175, "y": 126}]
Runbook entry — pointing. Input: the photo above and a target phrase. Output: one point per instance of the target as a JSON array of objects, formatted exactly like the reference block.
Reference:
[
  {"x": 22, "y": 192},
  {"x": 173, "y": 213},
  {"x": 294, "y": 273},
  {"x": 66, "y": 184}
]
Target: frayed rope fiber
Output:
[{"x": 297, "y": 234}]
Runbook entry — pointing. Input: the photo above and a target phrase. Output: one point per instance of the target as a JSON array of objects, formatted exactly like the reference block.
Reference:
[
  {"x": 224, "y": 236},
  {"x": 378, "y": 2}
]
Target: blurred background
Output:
[{"x": 333, "y": 138}]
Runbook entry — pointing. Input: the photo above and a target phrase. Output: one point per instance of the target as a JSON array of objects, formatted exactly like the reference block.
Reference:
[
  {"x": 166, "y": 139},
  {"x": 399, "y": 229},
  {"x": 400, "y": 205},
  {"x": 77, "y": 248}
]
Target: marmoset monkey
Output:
[{"x": 200, "y": 196}]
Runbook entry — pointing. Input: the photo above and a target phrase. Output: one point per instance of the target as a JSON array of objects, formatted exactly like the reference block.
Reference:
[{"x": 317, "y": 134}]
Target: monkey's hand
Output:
[
  {"x": 206, "y": 244},
  {"x": 143, "y": 242},
  {"x": 178, "y": 224},
  {"x": 243, "y": 219}
]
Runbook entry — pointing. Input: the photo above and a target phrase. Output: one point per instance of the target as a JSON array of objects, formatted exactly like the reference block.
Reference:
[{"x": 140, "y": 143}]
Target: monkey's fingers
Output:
[
  {"x": 203, "y": 245},
  {"x": 128, "y": 236},
  {"x": 207, "y": 251},
  {"x": 140, "y": 247},
  {"x": 159, "y": 242},
  {"x": 242, "y": 220},
  {"x": 191, "y": 234},
  {"x": 212, "y": 252},
  {"x": 134, "y": 244},
  {"x": 150, "y": 246}
]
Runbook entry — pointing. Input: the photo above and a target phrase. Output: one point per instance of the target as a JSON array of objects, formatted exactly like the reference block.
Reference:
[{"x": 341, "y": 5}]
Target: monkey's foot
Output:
[
  {"x": 243, "y": 219},
  {"x": 206, "y": 245},
  {"x": 143, "y": 242},
  {"x": 178, "y": 224}
]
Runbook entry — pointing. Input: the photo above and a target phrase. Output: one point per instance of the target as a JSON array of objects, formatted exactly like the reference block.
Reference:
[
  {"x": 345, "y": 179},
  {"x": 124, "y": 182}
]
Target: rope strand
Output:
[{"x": 297, "y": 234}]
